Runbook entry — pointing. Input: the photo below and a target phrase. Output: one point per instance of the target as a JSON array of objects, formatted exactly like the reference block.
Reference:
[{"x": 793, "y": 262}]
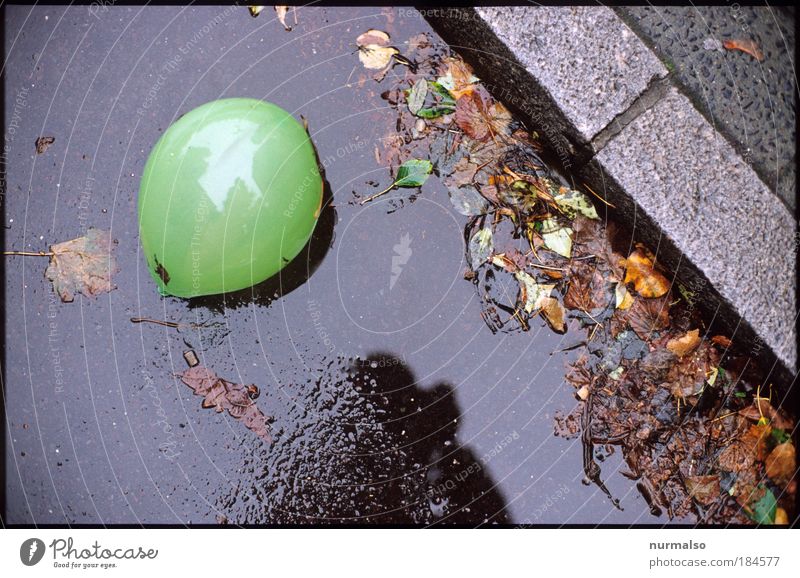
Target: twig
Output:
[
  {"x": 30, "y": 253},
  {"x": 598, "y": 196},
  {"x": 156, "y": 321},
  {"x": 376, "y": 195}
]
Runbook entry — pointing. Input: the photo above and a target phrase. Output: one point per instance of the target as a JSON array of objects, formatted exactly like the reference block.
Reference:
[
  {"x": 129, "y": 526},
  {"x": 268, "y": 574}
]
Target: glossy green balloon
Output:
[{"x": 230, "y": 194}]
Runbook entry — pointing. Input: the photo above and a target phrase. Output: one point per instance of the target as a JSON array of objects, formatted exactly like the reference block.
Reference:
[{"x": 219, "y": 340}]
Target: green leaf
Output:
[
  {"x": 481, "y": 246},
  {"x": 413, "y": 173},
  {"x": 535, "y": 293},
  {"x": 740, "y": 394},
  {"x": 764, "y": 509},
  {"x": 435, "y": 111},
  {"x": 571, "y": 202},
  {"x": 780, "y": 436},
  {"x": 442, "y": 91},
  {"x": 468, "y": 201},
  {"x": 557, "y": 238},
  {"x": 416, "y": 97},
  {"x": 445, "y": 105}
]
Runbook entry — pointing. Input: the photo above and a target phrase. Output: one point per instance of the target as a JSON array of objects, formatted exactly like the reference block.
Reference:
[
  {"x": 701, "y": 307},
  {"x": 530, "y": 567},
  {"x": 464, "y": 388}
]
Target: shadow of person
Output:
[
  {"x": 424, "y": 422},
  {"x": 292, "y": 276}
]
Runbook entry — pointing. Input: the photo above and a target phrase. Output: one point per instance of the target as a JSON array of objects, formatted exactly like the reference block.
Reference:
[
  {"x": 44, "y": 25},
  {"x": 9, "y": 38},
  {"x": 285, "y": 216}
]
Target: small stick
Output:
[
  {"x": 156, "y": 321},
  {"x": 376, "y": 195},
  {"x": 30, "y": 253},
  {"x": 598, "y": 196}
]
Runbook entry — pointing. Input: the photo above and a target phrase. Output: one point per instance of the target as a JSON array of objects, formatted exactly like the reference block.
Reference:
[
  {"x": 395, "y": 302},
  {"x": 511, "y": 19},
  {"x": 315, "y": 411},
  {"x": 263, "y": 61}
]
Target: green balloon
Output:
[{"x": 230, "y": 194}]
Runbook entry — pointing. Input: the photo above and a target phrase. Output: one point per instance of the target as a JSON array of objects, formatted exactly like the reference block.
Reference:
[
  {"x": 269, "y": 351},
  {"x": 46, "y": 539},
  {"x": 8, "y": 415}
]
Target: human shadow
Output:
[{"x": 424, "y": 422}]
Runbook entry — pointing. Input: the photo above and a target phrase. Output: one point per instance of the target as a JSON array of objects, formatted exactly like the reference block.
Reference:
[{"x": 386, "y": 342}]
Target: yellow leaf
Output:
[
  {"x": 623, "y": 298},
  {"x": 781, "y": 517},
  {"x": 646, "y": 280},
  {"x": 686, "y": 344},
  {"x": 553, "y": 313},
  {"x": 376, "y": 57}
]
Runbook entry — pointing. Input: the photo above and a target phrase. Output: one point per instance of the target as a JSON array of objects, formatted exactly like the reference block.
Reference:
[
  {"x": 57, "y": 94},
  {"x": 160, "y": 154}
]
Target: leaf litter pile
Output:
[{"x": 700, "y": 440}]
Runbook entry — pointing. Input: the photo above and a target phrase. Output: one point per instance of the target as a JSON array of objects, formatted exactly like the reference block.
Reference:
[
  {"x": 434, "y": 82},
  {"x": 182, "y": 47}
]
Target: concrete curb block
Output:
[{"x": 601, "y": 100}]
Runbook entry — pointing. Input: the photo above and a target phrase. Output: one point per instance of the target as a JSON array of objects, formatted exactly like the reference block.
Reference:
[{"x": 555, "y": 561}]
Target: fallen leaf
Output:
[
  {"x": 647, "y": 315},
  {"x": 758, "y": 438},
  {"x": 748, "y": 46},
  {"x": 685, "y": 344},
  {"x": 416, "y": 98},
  {"x": 504, "y": 262},
  {"x": 622, "y": 299},
  {"x": 761, "y": 408},
  {"x": 557, "y": 238},
  {"x": 587, "y": 288},
  {"x": 376, "y": 57},
  {"x": 781, "y": 463},
  {"x": 781, "y": 517},
  {"x": 372, "y": 36},
  {"x": 570, "y": 202},
  {"x": 281, "y": 11},
  {"x": 468, "y": 201},
  {"x": 532, "y": 293},
  {"x": 43, "y": 143},
  {"x": 646, "y": 280},
  {"x": 721, "y": 340},
  {"x": 412, "y": 173},
  {"x": 440, "y": 102},
  {"x": 458, "y": 77},
  {"x": 553, "y": 313},
  {"x": 736, "y": 457},
  {"x": 223, "y": 395},
  {"x": 474, "y": 117},
  {"x": 704, "y": 489},
  {"x": 481, "y": 246},
  {"x": 764, "y": 509},
  {"x": 463, "y": 172},
  {"x": 83, "y": 265}
]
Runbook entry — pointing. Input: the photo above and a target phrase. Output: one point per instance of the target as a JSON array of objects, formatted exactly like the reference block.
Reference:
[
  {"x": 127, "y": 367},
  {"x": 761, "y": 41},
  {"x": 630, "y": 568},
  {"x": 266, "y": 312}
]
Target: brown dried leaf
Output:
[
  {"x": 83, "y": 265},
  {"x": 463, "y": 173},
  {"x": 721, "y": 340},
  {"x": 646, "y": 280},
  {"x": 762, "y": 408},
  {"x": 748, "y": 46},
  {"x": 472, "y": 116},
  {"x": 685, "y": 344},
  {"x": 688, "y": 376},
  {"x": 224, "y": 395},
  {"x": 587, "y": 288},
  {"x": 43, "y": 143},
  {"x": 781, "y": 464},
  {"x": 553, "y": 313},
  {"x": 462, "y": 76},
  {"x": 737, "y": 457},
  {"x": 704, "y": 489},
  {"x": 647, "y": 315}
]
